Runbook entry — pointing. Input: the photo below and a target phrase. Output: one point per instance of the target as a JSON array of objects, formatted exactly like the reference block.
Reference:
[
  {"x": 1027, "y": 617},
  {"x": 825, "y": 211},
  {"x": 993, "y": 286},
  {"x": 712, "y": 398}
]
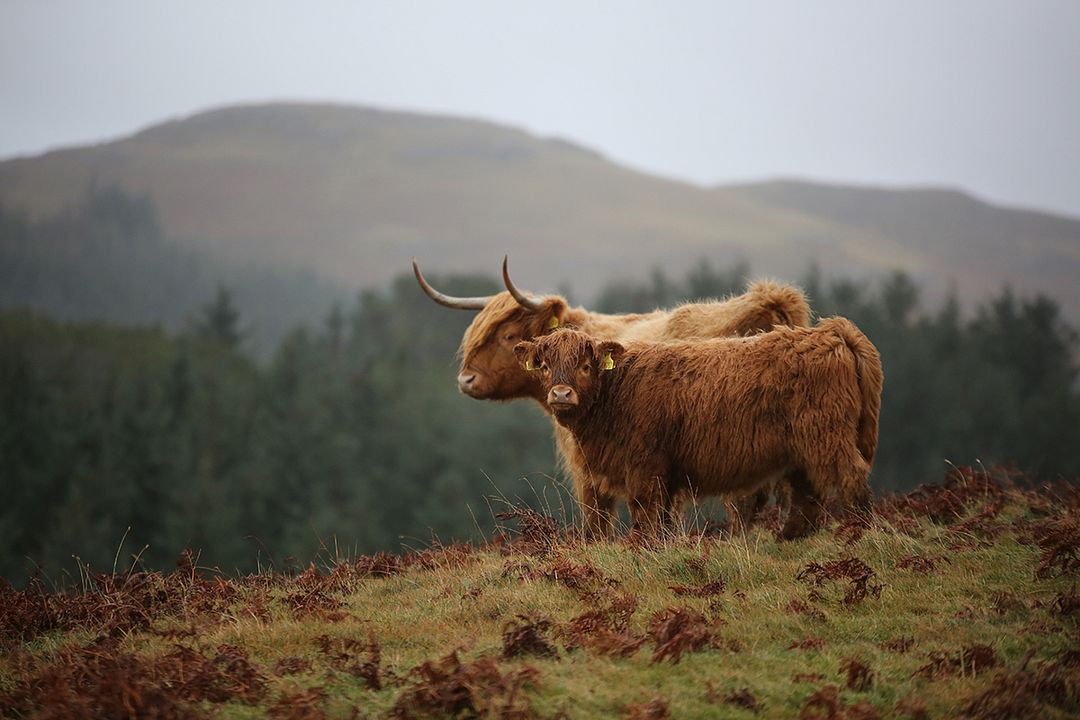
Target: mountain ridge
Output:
[{"x": 354, "y": 192}]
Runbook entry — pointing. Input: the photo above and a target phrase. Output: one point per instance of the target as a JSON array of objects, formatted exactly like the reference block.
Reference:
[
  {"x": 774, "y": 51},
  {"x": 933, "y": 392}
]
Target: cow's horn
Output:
[
  {"x": 523, "y": 299},
  {"x": 469, "y": 303}
]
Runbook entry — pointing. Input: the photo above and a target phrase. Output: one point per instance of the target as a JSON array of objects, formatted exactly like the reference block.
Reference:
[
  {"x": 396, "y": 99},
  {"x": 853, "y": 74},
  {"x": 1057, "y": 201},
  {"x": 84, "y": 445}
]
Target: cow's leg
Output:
[
  {"x": 805, "y": 513},
  {"x": 852, "y": 474},
  {"x": 742, "y": 509},
  {"x": 649, "y": 503},
  {"x": 596, "y": 506},
  {"x": 674, "y": 503},
  {"x": 598, "y": 509},
  {"x": 782, "y": 496}
]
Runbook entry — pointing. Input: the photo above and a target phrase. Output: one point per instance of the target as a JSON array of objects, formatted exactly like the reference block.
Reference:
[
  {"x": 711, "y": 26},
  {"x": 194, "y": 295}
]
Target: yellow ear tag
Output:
[
  {"x": 609, "y": 364},
  {"x": 529, "y": 364},
  {"x": 553, "y": 322}
]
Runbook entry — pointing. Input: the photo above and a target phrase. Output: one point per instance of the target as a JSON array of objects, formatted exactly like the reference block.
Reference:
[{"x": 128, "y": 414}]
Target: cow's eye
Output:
[
  {"x": 586, "y": 368},
  {"x": 510, "y": 336}
]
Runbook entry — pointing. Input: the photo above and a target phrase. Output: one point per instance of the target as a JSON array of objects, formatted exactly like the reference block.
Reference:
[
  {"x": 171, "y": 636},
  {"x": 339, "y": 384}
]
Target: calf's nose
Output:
[
  {"x": 466, "y": 379},
  {"x": 562, "y": 395}
]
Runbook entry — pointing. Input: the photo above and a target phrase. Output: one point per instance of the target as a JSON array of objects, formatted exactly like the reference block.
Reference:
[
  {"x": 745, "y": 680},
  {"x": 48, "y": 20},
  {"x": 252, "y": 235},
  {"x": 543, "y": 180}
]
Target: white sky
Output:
[{"x": 978, "y": 94}]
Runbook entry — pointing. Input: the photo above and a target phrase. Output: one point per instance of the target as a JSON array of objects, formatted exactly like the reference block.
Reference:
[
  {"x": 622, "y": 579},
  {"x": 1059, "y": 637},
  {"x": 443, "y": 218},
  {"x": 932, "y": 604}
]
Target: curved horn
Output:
[
  {"x": 524, "y": 300},
  {"x": 469, "y": 303}
]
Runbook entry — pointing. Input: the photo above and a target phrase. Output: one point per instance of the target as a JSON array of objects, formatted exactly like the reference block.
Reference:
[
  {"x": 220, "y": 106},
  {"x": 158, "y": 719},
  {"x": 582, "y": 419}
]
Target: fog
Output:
[{"x": 977, "y": 95}]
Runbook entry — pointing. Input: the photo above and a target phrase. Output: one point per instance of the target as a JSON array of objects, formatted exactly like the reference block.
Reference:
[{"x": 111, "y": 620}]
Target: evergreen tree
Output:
[{"x": 220, "y": 321}]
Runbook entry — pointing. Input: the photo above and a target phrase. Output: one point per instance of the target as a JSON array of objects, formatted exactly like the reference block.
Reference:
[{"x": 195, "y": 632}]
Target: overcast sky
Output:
[{"x": 982, "y": 95}]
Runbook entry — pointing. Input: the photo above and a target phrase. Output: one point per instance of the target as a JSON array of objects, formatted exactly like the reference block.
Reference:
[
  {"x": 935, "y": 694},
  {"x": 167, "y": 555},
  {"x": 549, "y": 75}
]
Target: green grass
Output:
[{"x": 982, "y": 595}]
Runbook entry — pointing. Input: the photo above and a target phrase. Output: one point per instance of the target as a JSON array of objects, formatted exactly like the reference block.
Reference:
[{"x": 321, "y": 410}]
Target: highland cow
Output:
[
  {"x": 489, "y": 370},
  {"x": 719, "y": 416}
]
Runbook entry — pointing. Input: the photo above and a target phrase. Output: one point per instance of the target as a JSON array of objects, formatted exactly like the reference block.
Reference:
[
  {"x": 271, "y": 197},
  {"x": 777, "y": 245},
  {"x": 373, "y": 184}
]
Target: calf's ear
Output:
[
  {"x": 608, "y": 354},
  {"x": 525, "y": 352}
]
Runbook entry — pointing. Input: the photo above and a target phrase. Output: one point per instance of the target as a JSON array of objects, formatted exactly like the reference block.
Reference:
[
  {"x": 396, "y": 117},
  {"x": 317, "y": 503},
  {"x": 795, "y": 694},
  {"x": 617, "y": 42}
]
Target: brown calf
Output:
[{"x": 719, "y": 416}]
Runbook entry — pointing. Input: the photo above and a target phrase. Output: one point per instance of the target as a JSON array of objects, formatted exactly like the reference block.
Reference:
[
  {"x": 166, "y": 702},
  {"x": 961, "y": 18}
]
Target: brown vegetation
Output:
[
  {"x": 857, "y": 572},
  {"x": 1028, "y": 693},
  {"x": 920, "y": 564},
  {"x": 343, "y": 655},
  {"x": 675, "y": 631},
  {"x": 655, "y": 709},
  {"x": 859, "y": 676},
  {"x": 525, "y": 636},
  {"x": 971, "y": 660},
  {"x": 605, "y": 631},
  {"x": 449, "y": 687},
  {"x": 826, "y": 704}
]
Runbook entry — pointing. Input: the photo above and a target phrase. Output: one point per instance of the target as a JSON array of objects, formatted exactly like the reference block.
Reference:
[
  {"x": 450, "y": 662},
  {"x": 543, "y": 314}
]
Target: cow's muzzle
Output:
[
  {"x": 469, "y": 383},
  {"x": 561, "y": 397}
]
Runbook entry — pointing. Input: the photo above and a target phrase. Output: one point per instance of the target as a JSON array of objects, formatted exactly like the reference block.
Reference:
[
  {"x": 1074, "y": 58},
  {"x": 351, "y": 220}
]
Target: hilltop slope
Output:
[
  {"x": 353, "y": 193},
  {"x": 956, "y": 601}
]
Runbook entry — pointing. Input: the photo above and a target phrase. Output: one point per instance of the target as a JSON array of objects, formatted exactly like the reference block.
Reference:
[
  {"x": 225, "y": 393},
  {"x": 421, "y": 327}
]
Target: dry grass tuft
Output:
[
  {"x": 604, "y": 631},
  {"x": 676, "y": 631},
  {"x": 807, "y": 643},
  {"x": 525, "y": 636},
  {"x": 859, "y": 676},
  {"x": 303, "y": 705},
  {"x": 449, "y": 687},
  {"x": 801, "y": 607},
  {"x": 857, "y": 572},
  {"x": 343, "y": 655},
  {"x": 1030, "y": 693},
  {"x": 922, "y": 564},
  {"x": 969, "y": 661},
  {"x": 898, "y": 645},
  {"x": 655, "y": 709}
]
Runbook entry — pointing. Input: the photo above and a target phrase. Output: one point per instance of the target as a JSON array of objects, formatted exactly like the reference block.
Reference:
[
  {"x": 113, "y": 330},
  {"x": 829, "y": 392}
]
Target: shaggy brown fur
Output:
[
  {"x": 719, "y": 416},
  {"x": 487, "y": 353}
]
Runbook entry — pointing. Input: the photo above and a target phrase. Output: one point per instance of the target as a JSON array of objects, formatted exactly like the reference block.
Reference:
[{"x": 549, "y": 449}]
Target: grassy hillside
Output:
[
  {"x": 353, "y": 193},
  {"x": 958, "y": 599}
]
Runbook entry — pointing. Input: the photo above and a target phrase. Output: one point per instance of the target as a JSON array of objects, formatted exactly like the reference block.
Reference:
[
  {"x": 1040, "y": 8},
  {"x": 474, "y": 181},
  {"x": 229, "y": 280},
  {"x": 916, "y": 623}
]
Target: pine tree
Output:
[{"x": 220, "y": 321}]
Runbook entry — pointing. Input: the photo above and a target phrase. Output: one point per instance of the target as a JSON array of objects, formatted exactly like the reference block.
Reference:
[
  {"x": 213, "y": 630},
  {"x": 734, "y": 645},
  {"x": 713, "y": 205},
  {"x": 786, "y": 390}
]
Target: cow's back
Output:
[
  {"x": 764, "y": 305},
  {"x": 719, "y": 410}
]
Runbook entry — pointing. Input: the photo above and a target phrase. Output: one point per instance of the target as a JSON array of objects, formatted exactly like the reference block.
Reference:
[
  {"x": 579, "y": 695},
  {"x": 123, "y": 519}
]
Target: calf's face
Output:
[{"x": 567, "y": 365}]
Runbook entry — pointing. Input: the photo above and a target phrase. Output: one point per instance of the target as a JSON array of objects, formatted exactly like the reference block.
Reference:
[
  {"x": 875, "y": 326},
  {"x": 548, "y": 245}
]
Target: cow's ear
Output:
[
  {"x": 525, "y": 352},
  {"x": 555, "y": 313},
  {"x": 608, "y": 354}
]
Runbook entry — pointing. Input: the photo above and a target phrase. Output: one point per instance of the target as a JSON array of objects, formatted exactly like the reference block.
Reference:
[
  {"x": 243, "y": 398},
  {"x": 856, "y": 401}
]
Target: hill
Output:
[
  {"x": 973, "y": 243},
  {"x": 955, "y": 601},
  {"x": 353, "y": 193}
]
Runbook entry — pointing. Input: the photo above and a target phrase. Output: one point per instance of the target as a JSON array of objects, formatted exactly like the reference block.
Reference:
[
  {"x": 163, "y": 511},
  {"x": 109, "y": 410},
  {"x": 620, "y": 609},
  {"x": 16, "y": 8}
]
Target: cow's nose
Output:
[
  {"x": 562, "y": 395},
  {"x": 466, "y": 379}
]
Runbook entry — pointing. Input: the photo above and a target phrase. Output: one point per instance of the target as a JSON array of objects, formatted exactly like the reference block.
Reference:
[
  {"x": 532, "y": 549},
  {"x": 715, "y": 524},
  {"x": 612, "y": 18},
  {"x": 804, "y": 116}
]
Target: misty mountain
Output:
[
  {"x": 352, "y": 193},
  {"x": 105, "y": 258}
]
